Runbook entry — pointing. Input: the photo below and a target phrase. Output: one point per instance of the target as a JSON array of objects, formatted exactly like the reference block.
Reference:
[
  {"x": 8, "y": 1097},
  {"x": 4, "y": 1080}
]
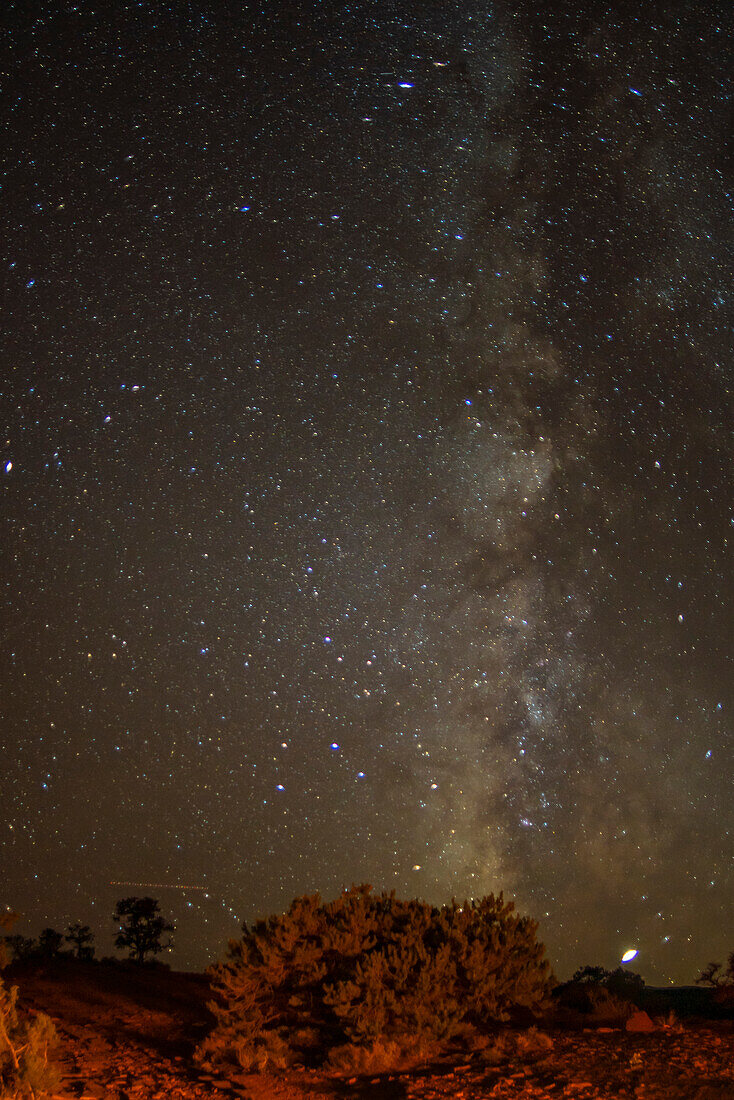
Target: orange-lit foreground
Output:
[{"x": 129, "y": 1033}]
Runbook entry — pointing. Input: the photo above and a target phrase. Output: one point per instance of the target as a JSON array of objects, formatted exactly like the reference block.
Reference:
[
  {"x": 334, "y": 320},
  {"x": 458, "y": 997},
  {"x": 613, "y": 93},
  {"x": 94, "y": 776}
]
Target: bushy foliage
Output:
[
  {"x": 593, "y": 1002},
  {"x": 622, "y": 982},
  {"x": 26, "y": 1067},
  {"x": 594, "y": 975},
  {"x": 370, "y": 970},
  {"x": 599, "y": 996},
  {"x": 608, "y": 1008},
  {"x": 381, "y": 1056},
  {"x": 512, "y": 1046}
]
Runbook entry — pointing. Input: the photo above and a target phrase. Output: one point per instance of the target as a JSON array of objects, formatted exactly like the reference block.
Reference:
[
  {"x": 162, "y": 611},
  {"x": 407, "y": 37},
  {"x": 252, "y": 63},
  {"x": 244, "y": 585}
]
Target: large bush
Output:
[{"x": 370, "y": 969}]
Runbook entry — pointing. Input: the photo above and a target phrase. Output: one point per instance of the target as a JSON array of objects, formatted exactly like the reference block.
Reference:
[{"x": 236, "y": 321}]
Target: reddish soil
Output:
[{"x": 129, "y": 1035}]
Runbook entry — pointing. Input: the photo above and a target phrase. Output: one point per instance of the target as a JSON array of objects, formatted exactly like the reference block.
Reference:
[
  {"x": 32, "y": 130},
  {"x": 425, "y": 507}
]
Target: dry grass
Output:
[{"x": 382, "y": 1056}]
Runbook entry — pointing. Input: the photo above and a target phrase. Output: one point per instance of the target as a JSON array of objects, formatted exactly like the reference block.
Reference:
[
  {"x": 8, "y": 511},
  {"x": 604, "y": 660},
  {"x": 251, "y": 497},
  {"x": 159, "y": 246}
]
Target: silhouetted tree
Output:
[
  {"x": 596, "y": 974},
  {"x": 21, "y": 947},
  {"x": 621, "y": 981},
  {"x": 141, "y": 927},
  {"x": 49, "y": 943},
  {"x": 715, "y": 975},
  {"x": 624, "y": 982},
  {"x": 82, "y": 937}
]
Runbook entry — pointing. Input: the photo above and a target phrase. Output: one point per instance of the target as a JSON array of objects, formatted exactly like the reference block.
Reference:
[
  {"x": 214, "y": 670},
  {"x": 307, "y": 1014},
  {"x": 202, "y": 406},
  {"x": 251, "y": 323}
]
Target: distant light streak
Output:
[
  {"x": 160, "y": 886},
  {"x": 629, "y": 955}
]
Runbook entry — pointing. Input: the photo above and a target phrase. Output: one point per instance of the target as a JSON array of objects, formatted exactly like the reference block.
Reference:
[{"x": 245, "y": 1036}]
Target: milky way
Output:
[{"x": 367, "y": 492}]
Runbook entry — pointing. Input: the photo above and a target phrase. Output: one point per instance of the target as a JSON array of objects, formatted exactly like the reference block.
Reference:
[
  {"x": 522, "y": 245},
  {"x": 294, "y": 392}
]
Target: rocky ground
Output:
[{"x": 129, "y": 1036}]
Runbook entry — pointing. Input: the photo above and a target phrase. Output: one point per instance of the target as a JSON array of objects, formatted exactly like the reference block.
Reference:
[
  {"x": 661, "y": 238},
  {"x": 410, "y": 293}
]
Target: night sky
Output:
[{"x": 367, "y": 465}]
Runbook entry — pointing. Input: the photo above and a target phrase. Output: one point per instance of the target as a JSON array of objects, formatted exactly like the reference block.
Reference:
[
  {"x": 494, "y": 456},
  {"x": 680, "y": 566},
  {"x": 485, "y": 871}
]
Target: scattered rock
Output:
[
  {"x": 639, "y": 1021},
  {"x": 113, "y": 1050},
  {"x": 94, "y": 1089}
]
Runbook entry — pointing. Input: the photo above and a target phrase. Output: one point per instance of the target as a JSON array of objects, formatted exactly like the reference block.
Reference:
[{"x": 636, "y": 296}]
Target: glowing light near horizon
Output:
[{"x": 629, "y": 955}]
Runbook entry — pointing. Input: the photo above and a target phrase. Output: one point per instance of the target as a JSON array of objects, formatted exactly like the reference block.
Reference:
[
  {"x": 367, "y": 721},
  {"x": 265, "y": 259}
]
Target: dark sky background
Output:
[{"x": 367, "y": 465}]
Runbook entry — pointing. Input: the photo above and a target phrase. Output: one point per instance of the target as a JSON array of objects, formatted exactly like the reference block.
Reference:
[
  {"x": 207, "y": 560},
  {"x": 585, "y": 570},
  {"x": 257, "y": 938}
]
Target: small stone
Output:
[
  {"x": 639, "y": 1021},
  {"x": 94, "y": 1089}
]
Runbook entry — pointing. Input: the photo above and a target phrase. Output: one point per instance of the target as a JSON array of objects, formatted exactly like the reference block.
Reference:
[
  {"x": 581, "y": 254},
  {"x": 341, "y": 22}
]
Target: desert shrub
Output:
[
  {"x": 26, "y": 1067},
  {"x": 502, "y": 1047},
  {"x": 622, "y": 982},
  {"x": 669, "y": 1021},
  {"x": 608, "y": 1009},
  {"x": 369, "y": 970},
  {"x": 532, "y": 1045},
  {"x": 493, "y": 1048},
  {"x": 270, "y": 1051},
  {"x": 599, "y": 996},
  {"x": 589, "y": 1003},
  {"x": 382, "y": 1056}
]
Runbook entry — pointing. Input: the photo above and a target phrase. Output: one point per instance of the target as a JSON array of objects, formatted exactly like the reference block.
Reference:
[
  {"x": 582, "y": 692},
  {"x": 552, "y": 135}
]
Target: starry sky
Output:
[{"x": 367, "y": 465}]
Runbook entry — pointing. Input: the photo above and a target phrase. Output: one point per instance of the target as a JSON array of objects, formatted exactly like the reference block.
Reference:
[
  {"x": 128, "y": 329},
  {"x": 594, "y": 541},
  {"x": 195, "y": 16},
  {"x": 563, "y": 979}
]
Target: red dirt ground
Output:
[{"x": 128, "y": 1034}]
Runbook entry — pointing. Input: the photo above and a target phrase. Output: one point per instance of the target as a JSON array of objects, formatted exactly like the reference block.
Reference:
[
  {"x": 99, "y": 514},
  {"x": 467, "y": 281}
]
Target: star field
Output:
[{"x": 367, "y": 473}]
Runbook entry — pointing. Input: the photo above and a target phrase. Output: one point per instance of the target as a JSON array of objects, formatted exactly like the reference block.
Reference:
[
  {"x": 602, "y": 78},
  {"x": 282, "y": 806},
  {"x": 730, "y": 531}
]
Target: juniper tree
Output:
[
  {"x": 141, "y": 927},
  {"x": 367, "y": 968}
]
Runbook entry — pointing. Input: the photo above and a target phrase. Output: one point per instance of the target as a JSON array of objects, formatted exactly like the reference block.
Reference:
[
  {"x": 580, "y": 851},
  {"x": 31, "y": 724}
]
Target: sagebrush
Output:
[{"x": 370, "y": 970}]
